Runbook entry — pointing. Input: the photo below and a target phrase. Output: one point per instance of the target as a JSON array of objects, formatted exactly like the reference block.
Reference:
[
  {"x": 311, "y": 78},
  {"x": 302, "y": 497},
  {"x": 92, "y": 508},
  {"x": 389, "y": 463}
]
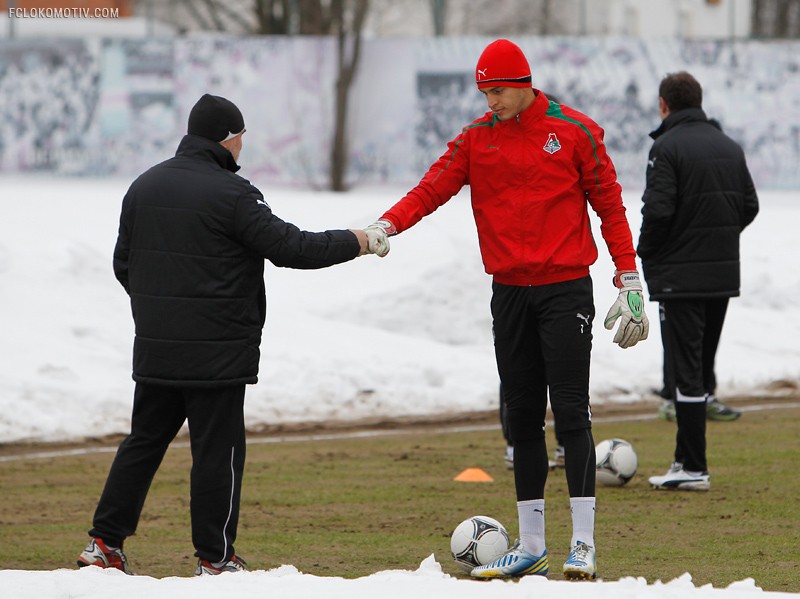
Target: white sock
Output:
[
  {"x": 531, "y": 525},
  {"x": 582, "y": 509}
]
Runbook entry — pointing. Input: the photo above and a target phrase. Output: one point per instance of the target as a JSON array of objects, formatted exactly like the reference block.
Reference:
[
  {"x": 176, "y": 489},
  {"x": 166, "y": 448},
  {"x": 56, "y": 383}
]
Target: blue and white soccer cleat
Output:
[
  {"x": 581, "y": 563},
  {"x": 514, "y": 562}
]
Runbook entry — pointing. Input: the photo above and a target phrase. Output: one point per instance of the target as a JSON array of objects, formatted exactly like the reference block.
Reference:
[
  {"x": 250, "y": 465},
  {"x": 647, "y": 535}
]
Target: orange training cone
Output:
[{"x": 474, "y": 475}]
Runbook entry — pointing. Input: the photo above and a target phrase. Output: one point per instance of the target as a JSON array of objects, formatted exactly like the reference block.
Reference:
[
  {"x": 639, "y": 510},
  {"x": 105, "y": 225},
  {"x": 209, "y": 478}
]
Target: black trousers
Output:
[
  {"x": 217, "y": 436},
  {"x": 691, "y": 330},
  {"x": 543, "y": 343},
  {"x": 503, "y": 415},
  {"x": 715, "y": 318}
]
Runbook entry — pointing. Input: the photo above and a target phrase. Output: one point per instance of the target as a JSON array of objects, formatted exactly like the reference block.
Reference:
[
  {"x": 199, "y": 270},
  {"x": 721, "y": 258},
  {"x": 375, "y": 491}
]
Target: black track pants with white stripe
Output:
[
  {"x": 216, "y": 428},
  {"x": 691, "y": 329}
]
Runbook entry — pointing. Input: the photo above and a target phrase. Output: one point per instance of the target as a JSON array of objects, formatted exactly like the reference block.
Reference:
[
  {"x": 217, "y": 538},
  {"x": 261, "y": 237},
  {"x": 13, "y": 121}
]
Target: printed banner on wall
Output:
[{"x": 136, "y": 123}]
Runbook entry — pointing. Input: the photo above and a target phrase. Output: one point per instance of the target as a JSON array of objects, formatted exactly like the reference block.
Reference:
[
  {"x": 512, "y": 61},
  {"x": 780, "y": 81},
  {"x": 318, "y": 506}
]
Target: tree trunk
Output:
[
  {"x": 348, "y": 53},
  {"x": 547, "y": 15},
  {"x": 438, "y": 7},
  {"x": 315, "y": 18},
  {"x": 273, "y": 16},
  {"x": 782, "y": 20}
]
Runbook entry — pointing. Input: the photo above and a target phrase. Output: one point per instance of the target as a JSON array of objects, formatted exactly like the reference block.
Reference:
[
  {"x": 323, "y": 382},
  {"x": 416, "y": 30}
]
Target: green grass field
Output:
[{"x": 352, "y": 507}]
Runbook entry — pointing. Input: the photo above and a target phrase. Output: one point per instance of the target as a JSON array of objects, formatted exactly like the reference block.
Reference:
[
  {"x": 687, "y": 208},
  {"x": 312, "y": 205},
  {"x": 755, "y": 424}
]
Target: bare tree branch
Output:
[
  {"x": 213, "y": 13},
  {"x": 274, "y": 16},
  {"x": 234, "y": 15},
  {"x": 194, "y": 13}
]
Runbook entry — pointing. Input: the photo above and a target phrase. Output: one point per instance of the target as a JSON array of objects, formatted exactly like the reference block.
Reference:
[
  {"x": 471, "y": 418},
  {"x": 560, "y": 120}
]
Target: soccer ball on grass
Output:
[
  {"x": 616, "y": 462},
  {"x": 478, "y": 541}
]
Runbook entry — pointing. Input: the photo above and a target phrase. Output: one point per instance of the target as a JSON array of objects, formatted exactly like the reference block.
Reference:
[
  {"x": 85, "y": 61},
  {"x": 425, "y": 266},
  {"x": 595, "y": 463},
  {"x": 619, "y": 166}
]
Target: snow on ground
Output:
[
  {"x": 286, "y": 582},
  {"x": 406, "y": 335}
]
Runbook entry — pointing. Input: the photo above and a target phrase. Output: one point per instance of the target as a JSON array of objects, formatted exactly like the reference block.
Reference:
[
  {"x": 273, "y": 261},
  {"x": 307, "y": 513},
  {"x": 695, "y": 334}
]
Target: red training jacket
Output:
[{"x": 530, "y": 179}]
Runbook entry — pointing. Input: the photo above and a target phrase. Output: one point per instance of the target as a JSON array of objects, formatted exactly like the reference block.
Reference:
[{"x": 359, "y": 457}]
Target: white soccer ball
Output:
[
  {"x": 616, "y": 462},
  {"x": 478, "y": 541}
]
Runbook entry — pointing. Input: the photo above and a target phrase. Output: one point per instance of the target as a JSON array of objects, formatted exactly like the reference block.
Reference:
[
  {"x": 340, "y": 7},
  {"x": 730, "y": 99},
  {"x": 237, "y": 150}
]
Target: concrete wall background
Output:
[{"x": 117, "y": 106}]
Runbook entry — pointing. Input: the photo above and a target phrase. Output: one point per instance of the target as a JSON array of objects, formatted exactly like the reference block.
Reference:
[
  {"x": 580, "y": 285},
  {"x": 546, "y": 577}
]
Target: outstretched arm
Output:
[
  {"x": 284, "y": 244},
  {"x": 444, "y": 179}
]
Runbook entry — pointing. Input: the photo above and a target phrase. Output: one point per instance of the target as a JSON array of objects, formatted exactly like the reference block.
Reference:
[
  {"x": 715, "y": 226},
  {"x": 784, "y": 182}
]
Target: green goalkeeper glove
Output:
[{"x": 628, "y": 310}]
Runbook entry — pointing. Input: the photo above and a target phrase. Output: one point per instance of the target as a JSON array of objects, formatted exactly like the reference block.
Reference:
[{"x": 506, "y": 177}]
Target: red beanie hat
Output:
[{"x": 502, "y": 64}]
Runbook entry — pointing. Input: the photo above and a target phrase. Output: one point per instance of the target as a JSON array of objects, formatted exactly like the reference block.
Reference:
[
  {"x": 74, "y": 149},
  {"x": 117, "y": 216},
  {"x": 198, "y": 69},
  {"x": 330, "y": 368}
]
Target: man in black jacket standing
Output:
[
  {"x": 698, "y": 198},
  {"x": 193, "y": 237}
]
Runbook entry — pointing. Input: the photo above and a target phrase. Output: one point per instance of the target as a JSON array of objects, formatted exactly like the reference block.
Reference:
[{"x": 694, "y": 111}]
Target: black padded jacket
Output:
[
  {"x": 193, "y": 237},
  {"x": 698, "y": 198}
]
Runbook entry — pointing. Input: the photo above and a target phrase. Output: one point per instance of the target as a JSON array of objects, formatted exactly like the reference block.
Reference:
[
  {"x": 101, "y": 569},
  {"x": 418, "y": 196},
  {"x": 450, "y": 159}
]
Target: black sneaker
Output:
[
  {"x": 716, "y": 410},
  {"x": 235, "y": 564}
]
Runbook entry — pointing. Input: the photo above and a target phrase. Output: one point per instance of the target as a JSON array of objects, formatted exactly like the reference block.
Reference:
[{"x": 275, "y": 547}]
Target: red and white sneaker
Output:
[
  {"x": 235, "y": 564},
  {"x": 97, "y": 553}
]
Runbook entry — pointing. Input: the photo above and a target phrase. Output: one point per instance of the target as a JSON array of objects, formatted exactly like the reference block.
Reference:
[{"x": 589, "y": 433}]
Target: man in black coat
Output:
[
  {"x": 193, "y": 237},
  {"x": 715, "y": 409},
  {"x": 698, "y": 198}
]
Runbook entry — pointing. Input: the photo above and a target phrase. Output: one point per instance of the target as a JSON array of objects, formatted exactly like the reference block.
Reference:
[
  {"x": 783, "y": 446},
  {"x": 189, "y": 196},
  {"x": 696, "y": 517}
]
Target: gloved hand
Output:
[
  {"x": 377, "y": 234},
  {"x": 387, "y": 227},
  {"x": 377, "y": 241},
  {"x": 629, "y": 310}
]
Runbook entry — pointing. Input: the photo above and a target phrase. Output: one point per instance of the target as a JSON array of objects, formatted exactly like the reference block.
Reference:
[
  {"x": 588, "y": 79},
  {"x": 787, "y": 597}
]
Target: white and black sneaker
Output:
[
  {"x": 558, "y": 458},
  {"x": 681, "y": 480},
  {"x": 716, "y": 410},
  {"x": 509, "y": 457}
]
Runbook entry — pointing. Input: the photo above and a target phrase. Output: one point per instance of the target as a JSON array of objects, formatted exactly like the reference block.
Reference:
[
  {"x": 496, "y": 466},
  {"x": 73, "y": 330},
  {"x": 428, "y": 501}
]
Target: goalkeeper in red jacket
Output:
[{"x": 534, "y": 167}]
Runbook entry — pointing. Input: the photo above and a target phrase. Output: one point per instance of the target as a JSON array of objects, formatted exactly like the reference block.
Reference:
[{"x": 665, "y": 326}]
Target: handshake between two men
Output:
[{"x": 374, "y": 239}]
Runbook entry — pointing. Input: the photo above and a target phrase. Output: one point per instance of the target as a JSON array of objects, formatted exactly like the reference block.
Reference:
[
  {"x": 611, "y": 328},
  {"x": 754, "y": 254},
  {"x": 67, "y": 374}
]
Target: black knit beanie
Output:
[{"x": 215, "y": 118}]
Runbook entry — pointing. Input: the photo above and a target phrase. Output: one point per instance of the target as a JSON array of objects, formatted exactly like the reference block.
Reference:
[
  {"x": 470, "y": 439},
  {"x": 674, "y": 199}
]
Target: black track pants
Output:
[
  {"x": 216, "y": 428},
  {"x": 692, "y": 330},
  {"x": 543, "y": 343},
  {"x": 714, "y": 319}
]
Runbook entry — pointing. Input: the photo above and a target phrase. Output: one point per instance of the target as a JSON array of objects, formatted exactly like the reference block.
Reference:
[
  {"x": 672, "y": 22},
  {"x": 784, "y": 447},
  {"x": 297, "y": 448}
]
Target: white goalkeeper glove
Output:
[
  {"x": 629, "y": 310},
  {"x": 387, "y": 227},
  {"x": 377, "y": 241},
  {"x": 377, "y": 237}
]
